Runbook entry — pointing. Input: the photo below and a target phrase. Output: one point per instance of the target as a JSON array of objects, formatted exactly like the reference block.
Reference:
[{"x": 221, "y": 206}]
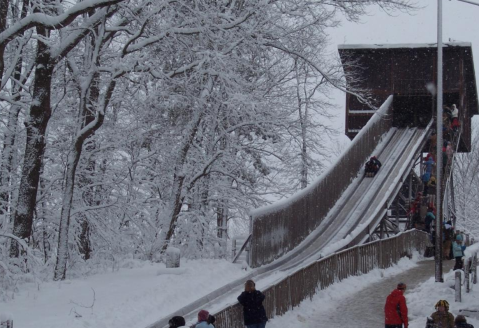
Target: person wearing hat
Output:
[
  {"x": 448, "y": 234},
  {"x": 372, "y": 166},
  {"x": 203, "y": 316},
  {"x": 254, "y": 314},
  {"x": 442, "y": 317},
  {"x": 458, "y": 252},
  {"x": 177, "y": 322},
  {"x": 395, "y": 309},
  {"x": 455, "y": 117},
  {"x": 461, "y": 322}
]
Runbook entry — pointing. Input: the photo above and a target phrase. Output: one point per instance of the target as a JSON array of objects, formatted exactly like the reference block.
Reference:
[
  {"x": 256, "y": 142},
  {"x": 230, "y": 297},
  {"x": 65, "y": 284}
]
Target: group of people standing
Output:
[
  {"x": 254, "y": 313},
  {"x": 450, "y": 126},
  {"x": 396, "y": 313}
]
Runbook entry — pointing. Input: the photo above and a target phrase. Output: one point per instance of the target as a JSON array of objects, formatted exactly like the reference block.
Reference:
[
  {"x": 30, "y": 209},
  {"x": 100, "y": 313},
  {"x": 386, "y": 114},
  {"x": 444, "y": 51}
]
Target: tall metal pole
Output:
[{"x": 438, "y": 255}]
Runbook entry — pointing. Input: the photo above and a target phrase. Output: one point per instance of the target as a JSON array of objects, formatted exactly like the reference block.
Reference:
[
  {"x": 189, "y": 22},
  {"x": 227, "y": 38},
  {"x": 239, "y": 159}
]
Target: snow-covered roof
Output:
[{"x": 403, "y": 45}]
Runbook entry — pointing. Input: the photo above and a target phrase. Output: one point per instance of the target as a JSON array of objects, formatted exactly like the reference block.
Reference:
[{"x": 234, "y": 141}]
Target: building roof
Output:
[{"x": 403, "y": 45}]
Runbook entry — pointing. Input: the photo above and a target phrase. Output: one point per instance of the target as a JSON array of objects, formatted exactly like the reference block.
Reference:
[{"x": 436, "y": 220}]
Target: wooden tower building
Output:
[{"x": 409, "y": 71}]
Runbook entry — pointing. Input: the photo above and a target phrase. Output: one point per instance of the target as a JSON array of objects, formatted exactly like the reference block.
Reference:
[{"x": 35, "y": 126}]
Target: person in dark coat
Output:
[
  {"x": 448, "y": 233},
  {"x": 177, "y": 322},
  {"x": 372, "y": 166},
  {"x": 254, "y": 313},
  {"x": 211, "y": 320},
  {"x": 395, "y": 309},
  {"x": 461, "y": 322}
]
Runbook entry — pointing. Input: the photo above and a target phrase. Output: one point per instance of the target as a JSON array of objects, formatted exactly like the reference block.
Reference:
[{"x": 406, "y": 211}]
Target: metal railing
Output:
[
  {"x": 446, "y": 181},
  {"x": 241, "y": 250},
  {"x": 279, "y": 228},
  {"x": 304, "y": 283}
]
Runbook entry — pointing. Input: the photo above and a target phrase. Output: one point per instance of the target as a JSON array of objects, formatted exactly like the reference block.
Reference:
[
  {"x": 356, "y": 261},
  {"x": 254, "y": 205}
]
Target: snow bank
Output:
[
  {"x": 326, "y": 301},
  {"x": 123, "y": 299},
  {"x": 5, "y": 317},
  {"x": 320, "y": 312}
]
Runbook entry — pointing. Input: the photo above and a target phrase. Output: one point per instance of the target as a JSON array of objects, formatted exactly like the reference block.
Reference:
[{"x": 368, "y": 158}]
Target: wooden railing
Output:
[
  {"x": 279, "y": 228},
  {"x": 304, "y": 283}
]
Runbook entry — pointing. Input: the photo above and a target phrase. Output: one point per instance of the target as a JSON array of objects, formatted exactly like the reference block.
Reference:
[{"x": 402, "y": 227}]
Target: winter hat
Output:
[
  {"x": 176, "y": 322},
  {"x": 401, "y": 286},
  {"x": 458, "y": 237},
  {"x": 460, "y": 319},
  {"x": 203, "y": 315},
  {"x": 442, "y": 303},
  {"x": 211, "y": 319}
]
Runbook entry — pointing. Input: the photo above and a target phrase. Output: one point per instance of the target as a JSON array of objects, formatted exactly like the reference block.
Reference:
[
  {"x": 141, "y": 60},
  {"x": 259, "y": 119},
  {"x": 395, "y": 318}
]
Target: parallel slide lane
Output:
[{"x": 355, "y": 214}]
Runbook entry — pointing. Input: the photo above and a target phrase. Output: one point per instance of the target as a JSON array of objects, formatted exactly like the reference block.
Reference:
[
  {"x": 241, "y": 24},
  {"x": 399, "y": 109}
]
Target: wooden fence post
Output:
[
  {"x": 474, "y": 268},
  {"x": 380, "y": 254},
  {"x": 327, "y": 271},
  {"x": 458, "y": 286},
  {"x": 6, "y": 321},
  {"x": 466, "y": 274},
  {"x": 358, "y": 269}
]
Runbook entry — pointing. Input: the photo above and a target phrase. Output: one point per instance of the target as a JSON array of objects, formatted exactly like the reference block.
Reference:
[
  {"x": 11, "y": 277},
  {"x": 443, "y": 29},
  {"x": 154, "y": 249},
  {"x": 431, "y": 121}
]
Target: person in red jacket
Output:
[{"x": 395, "y": 310}]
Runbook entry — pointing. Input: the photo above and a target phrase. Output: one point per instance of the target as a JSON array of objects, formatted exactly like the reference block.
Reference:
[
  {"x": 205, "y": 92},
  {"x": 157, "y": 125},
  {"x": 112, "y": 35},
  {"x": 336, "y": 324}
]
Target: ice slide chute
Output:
[{"x": 341, "y": 218}]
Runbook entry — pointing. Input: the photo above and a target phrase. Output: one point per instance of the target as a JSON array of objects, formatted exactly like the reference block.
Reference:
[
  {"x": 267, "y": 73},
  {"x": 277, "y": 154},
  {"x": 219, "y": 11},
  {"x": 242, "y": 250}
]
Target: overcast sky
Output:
[{"x": 460, "y": 23}]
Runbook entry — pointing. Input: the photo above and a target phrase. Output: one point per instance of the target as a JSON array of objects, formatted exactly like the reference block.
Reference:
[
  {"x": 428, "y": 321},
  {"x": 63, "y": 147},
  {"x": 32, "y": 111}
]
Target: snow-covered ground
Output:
[
  {"x": 136, "y": 297},
  {"x": 130, "y": 297},
  {"x": 327, "y": 308}
]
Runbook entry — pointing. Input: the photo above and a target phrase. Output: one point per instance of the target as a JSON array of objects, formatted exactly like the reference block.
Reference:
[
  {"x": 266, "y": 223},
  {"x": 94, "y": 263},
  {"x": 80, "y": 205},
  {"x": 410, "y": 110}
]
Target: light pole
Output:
[
  {"x": 439, "y": 214},
  {"x": 438, "y": 246}
]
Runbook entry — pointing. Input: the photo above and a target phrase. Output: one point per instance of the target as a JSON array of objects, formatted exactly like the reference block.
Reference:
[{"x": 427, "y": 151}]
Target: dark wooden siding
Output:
[{"x": 408, "y": 72}]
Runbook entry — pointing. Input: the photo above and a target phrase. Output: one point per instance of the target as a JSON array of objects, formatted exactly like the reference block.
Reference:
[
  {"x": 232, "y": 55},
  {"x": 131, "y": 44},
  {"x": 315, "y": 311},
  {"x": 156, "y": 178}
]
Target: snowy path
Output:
[{"x": 360, "y": 308}]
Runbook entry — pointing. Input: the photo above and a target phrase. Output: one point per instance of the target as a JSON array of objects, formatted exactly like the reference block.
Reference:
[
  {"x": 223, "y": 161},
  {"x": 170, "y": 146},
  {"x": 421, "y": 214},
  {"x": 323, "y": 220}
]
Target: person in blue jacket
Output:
[
  {"x": 254, "y": 313},
  {"x": 203, "y": 316},
  {"x": 429, "y": 165},
  {"x": 430, "y": 217},
  {"x": 458, "y": 252}
]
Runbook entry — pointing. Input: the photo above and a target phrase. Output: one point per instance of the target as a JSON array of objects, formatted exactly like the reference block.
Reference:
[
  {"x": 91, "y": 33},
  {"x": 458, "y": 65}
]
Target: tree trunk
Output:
[
  {"x": 62, "y": 256},
  {"x": 178, "y": 180},
  {"x": 304, "y": 154},
  {"x": 84, "y": 244},
  {"x": 179, "y": 177},
  {"x": 3, "y": 27},
  {"x": 10, "y": 131},
  {"x": 36, "y": 125},
  {"x": 7, "y": 159},
  {"x": 88, "y": 128},
  {"x": 72, "y": 163}
]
